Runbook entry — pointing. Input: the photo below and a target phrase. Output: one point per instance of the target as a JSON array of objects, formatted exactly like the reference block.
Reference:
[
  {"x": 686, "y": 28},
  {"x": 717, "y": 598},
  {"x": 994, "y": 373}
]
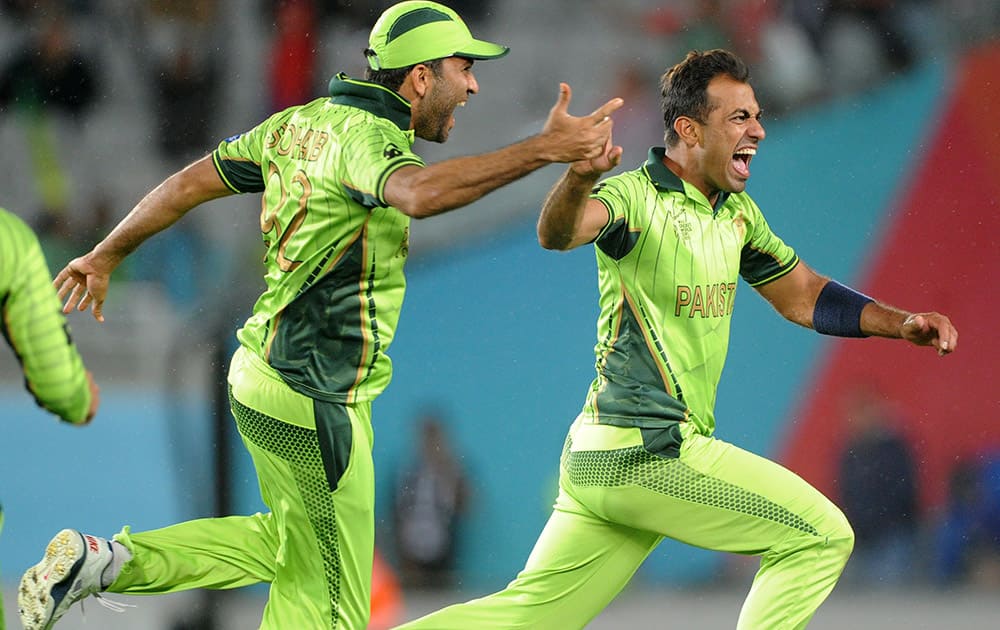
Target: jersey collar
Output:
[
  {"x": 371, "y": 97},
  {"x": 657, "y": 172},
  {"x": 665, "y": 179}
]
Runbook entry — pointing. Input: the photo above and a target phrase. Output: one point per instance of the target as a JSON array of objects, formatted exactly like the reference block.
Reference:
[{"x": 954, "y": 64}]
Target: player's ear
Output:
[
  {"x": 688, "y": 129},
  {"x": 420, "y": 75}
]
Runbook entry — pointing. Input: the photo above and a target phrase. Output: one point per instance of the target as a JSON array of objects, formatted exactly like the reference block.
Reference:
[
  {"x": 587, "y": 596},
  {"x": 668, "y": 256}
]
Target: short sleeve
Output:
[
  {"x": 615, "y": 240},
  {"x": 372, "y": 153},
  {"x": 238, "y": 159},
  {"x": 765, "y": 257}
]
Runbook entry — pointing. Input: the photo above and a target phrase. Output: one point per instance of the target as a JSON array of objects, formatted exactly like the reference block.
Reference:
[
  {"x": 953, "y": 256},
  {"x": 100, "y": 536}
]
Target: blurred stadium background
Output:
[{"x": 879, "y": 167}]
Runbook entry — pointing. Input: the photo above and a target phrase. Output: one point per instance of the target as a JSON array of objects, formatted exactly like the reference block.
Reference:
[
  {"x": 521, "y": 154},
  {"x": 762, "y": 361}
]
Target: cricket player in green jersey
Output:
[
  {"x": 34, "y": 326},
  {"x": 640, "y": 462},
  {"x": 339, "y": 184}
]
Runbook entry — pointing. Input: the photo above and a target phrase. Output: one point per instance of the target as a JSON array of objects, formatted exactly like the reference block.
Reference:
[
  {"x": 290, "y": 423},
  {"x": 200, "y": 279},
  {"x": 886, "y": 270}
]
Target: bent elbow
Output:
[
  {"x": 546, "y": 243},
  {"x": 553, "y": 242},
  {"x": 417, "y": 211},
  {"x": 409, "y": 210},
  {"x": 421, "y": 204}
]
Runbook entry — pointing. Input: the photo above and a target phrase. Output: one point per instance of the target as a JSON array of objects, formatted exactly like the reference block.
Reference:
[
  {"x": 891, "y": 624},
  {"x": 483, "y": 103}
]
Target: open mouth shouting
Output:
[
  {"x": 451, "y": 118},
  {"x": 741, "y": 161}
]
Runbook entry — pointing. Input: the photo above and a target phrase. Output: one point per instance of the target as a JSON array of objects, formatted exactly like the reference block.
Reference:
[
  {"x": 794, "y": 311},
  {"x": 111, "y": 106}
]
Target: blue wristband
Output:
[{"x": 838, "y": 311}]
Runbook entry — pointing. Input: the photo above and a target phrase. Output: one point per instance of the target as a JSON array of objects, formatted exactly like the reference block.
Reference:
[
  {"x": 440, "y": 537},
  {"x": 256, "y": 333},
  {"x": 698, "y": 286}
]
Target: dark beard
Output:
[{"x": 435, "y": 120}]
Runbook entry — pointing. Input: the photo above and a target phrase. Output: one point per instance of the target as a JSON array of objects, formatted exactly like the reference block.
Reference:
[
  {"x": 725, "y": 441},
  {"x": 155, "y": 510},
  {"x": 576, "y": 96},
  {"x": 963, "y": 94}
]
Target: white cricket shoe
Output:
[{"x": 70, "y": 571}]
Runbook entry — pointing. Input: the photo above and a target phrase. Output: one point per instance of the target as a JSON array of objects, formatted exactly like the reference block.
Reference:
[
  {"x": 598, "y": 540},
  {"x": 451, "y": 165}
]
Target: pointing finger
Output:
[{"x": 604, "y": 111}]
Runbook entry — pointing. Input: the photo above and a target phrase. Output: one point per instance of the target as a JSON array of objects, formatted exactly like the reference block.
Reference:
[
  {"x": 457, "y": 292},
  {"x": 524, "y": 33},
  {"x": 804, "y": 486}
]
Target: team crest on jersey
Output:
[
  {"x": 740, "y": 223},
  {"x": 391, "y": 151}
]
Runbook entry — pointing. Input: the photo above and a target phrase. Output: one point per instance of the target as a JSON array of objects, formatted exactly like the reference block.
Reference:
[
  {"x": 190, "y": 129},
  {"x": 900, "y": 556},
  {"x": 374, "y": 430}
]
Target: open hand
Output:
[
  {"x": 571, "y": 138},
  {"x": 81, "y": 284}
]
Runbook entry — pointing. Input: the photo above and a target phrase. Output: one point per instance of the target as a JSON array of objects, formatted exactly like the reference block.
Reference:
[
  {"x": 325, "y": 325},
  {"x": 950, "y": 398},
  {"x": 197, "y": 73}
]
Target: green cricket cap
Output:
[{"x": 416, "y": 31}]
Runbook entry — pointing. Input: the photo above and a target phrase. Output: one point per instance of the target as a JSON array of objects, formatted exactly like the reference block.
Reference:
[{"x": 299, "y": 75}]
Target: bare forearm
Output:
[
  {"x": 882, "y": 320},
  {"x": 457, "y": 182},
  {"x": 159, "y": 209},
  {"x": 563, "y": 211}
]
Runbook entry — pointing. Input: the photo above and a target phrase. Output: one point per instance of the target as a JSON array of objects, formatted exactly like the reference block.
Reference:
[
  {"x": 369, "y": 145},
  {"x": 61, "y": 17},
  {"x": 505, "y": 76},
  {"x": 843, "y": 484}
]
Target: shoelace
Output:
[{"x": 110, "y": 604}]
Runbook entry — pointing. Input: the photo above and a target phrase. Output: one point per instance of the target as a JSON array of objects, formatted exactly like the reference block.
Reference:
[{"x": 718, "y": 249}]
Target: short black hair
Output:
[
  {"x": 393, "y": 78},
  {"x": 684, "y": 87}
]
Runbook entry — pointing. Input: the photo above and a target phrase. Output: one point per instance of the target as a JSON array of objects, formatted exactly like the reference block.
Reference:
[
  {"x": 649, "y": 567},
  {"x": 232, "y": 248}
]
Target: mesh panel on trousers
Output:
[
  {"x": 670, "y": 477},
  {"x": 300, "y": 448}
]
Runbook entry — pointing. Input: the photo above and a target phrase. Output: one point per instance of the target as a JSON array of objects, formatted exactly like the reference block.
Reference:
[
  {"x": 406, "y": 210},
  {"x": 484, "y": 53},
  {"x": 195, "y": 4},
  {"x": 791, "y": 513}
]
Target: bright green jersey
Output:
[
  {"x": 335, "y": 249},
  {"x": 668, "y": 263},
  {"x": 34, "y": 326}
]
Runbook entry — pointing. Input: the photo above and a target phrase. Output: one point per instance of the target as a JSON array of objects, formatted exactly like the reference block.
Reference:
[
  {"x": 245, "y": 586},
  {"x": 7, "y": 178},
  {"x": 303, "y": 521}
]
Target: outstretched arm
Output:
[
  {"x": 814, "y": 301},
  {"x": 426, "y": 191},
  {"x": 84, "y": 281}
]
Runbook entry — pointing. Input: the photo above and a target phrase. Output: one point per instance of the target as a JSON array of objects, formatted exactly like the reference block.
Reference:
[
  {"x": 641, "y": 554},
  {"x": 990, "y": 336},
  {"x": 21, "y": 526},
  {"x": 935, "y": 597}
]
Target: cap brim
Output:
[{"x": 478, "y": 49}]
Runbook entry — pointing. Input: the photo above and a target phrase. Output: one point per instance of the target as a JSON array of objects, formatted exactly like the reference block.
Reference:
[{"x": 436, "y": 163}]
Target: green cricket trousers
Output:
[
  {"x": 314, "y": 547},
  {"x": 623, "y": 490}
]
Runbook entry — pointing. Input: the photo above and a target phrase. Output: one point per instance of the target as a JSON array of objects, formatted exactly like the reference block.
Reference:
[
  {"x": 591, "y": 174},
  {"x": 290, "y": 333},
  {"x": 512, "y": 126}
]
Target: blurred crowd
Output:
[
  {"x": 901, "y": 542},
  {"x": 55, "y": 82},
  {"x": 66, "y": 63}
]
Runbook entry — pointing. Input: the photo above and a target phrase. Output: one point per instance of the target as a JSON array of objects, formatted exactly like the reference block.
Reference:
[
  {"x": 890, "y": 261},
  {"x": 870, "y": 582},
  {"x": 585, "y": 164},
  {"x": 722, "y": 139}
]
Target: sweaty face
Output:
[
  {"x": 729, "y": 137},
  {"x": 449, "y": 90}
]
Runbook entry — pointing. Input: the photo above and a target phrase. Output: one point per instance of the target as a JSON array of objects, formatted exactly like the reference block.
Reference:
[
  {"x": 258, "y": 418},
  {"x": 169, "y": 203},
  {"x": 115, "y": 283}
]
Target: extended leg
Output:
[{"x": 578, "y": 565}]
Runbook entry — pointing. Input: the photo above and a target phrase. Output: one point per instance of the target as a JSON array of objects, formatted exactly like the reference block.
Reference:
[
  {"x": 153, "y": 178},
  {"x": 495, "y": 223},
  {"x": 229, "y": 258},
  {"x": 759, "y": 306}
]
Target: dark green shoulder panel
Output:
[
  {"x": 240, "y": 176},
  {"x": 759, "y": 268}
]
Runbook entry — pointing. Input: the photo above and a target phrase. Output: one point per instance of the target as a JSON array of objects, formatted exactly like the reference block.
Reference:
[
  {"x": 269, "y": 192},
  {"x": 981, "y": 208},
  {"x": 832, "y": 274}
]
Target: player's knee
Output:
[
  {"x": 841, "y": 540},
  {"x": 838, "y": 541},
  {"x": 831, "y": 546}
]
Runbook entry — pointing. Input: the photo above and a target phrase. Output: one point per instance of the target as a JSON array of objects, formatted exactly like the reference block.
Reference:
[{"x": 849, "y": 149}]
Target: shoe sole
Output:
[{"x": 63, "y": 558}]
